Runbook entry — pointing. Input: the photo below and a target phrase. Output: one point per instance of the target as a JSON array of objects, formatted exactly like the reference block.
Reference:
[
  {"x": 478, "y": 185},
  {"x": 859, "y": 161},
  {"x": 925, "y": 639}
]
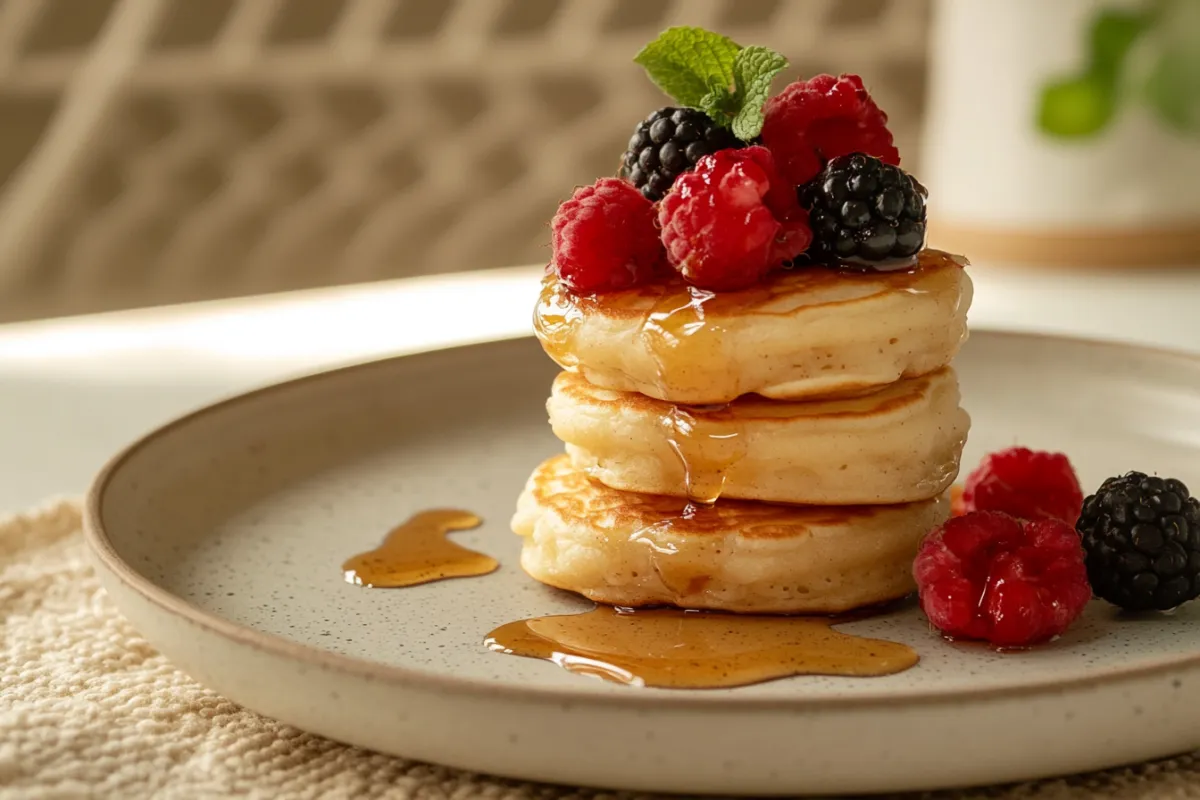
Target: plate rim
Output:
[{"x": 106, "y": 556}]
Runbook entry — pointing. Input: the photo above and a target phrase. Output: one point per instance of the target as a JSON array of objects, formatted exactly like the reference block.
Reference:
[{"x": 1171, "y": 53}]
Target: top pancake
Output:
[{"x": 803, "y": 333}]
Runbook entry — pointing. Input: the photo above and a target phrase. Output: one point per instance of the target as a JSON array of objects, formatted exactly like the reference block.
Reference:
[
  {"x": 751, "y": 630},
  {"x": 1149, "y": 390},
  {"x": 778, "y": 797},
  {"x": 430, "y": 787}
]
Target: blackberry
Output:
[
  {"x": 667, "y": 144},
  {"x": 1141, "y": 537},
  {"x": 862, "y": 209}
]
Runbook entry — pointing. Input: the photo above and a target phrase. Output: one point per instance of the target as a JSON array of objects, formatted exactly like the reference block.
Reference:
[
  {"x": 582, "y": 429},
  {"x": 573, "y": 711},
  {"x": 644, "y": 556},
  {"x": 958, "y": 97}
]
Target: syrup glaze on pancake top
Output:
[{"x": 803, "y": 333}]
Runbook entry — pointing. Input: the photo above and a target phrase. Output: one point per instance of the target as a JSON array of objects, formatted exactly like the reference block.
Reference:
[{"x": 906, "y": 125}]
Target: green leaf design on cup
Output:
[
  {"x": 1076, "y": 107},
  {"x": 1167, "y": 34},
  {"x": 1112, "y": 35},
  {"x": 1173, "y": 90},
  {"x": 1082, "y": 105}
]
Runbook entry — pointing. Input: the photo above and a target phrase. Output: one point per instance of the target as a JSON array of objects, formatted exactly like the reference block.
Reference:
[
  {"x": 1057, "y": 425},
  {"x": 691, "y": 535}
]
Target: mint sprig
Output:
[
  {"x": 753, "y": 70},
  {"x": 689, "y": 63},
  {"x": 715, "y": 74}
]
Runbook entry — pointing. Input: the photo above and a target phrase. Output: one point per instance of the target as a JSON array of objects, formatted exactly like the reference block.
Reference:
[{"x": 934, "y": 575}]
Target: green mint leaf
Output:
[
  {"x": 753, "y": 70},
  {"x": 1076, "y": 107},
  {"x": 689, "y": 63},
  {"x": 720, "y": 105}
]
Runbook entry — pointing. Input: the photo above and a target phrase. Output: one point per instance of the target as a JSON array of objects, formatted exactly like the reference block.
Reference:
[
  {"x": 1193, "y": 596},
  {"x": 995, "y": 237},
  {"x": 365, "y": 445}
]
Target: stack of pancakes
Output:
[{"x": 778, "y": 449}]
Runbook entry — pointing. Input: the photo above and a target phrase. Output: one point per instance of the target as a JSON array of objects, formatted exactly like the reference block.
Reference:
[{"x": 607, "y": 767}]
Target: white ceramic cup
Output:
[{"x": 1005, "y": 186}]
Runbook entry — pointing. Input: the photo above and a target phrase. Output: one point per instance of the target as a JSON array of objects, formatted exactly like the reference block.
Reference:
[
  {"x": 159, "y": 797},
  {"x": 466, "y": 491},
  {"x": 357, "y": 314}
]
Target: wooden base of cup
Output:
[{"x": 1177, "y": 245}]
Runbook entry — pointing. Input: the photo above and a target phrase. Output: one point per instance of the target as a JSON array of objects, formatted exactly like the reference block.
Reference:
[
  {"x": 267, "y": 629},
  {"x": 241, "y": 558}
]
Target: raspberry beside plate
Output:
[{"x": 1011, "y": 582}]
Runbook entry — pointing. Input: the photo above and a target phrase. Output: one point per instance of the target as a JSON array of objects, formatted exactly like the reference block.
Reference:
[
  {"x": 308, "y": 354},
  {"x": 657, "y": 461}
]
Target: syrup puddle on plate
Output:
[
  {"x": 417, "y": 551},
  {"x": 675, "y": 649}
]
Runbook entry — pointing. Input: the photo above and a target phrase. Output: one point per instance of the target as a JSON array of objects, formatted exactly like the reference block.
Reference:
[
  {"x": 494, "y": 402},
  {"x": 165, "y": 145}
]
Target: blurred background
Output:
[{"x": 159, "y": 151}]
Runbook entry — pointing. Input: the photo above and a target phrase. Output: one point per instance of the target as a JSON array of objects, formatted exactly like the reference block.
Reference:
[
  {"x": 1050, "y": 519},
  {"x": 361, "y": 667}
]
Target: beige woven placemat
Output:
[{"x": 89, "y": 709}]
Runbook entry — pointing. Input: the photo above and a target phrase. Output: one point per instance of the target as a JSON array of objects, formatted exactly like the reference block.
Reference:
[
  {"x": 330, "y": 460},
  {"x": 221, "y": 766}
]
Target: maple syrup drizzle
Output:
[
  {"x": 556, "y": 318},
  {"x": 956, "y": 495},
  {"x": 685, "y": 343},
  {"x": 417, "y": 551},
  {"x": 706, "y": 450},
  {"x": 675, "y": 649}
]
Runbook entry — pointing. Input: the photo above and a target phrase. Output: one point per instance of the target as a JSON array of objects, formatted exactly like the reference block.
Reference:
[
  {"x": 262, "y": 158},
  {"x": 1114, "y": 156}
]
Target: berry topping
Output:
[
  {"x": 727, "y": 223},
  {"x": 1142, "y": 539},
  {"x": 605, "y": 238},
  {"x": 862, "y": 209},
  {"x": 668, "y": 143},
  {"x": 813, "y": 121},
  {"x": 1025, "y": 483},
  {"x": 993, "y": 577}
]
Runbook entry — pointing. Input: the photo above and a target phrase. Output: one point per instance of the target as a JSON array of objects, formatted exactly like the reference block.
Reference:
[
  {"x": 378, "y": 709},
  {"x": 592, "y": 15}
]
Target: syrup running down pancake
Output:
[
  {"x": 804, "y": 333},
  {"x": 630, "y": 549},
  {"x": 899, "y": 444}
]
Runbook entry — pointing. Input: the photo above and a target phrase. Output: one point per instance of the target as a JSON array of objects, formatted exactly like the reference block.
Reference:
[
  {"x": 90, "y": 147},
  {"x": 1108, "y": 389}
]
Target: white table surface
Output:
[{"x": 73, "y": 391}]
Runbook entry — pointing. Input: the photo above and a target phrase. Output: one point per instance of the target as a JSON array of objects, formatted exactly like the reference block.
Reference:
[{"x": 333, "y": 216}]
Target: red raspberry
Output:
[
  {"x": 1010, "y": 582},
  {"x": 605, "y": 238},
  {"x": 1027, "y": 484},
  {"x": 731, "y": 219},
  {"x": 813, "y": 121}
]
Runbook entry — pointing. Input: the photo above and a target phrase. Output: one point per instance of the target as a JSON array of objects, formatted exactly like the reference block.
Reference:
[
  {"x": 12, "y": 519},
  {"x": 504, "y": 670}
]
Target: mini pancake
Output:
[
  {"x": 802, "y": 333},
  {"x": 897, "y": 445},
  {"x": 629, "y": 549}
]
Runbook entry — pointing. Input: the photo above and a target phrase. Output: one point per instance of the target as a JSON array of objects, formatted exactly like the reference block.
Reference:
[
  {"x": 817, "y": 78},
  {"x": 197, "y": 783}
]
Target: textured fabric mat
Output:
[{"x": 89, "y": 709}]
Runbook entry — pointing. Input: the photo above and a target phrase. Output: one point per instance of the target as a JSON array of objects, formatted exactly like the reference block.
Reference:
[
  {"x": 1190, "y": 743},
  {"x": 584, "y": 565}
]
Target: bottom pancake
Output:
[{"x": 629, "y": 549}]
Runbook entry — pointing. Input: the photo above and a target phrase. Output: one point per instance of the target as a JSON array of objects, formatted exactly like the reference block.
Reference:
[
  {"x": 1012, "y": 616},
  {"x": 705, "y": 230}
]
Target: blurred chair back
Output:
[{"x": 161, "y": 151}]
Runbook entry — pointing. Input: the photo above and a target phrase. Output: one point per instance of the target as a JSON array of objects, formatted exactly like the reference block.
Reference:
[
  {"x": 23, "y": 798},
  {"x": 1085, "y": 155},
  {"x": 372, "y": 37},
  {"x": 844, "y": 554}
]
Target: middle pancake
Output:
[{"x": 898, "y": 445}]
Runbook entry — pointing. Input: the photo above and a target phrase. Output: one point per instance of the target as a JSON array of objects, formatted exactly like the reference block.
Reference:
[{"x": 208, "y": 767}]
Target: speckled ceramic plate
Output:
[{"x": 221, "y": 537}]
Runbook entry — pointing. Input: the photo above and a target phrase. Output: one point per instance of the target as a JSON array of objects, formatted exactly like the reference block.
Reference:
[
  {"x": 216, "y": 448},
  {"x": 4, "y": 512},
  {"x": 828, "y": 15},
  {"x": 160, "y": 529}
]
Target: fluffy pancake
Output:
[
  {"x": 802, "y": 333},
  {"x": 897, "y": 445},
  {"x": 629, "y": 549}
]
